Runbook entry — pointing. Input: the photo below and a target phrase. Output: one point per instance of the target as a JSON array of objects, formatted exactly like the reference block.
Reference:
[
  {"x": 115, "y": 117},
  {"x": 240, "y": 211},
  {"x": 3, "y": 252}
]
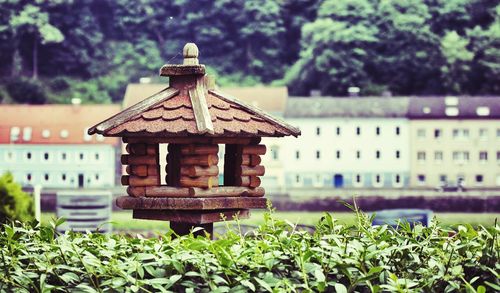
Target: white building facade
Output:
[
  {"x": 60, "y": 166},
  {"x": 347, "y": 143},
  {"x": 47, "y": 145}
]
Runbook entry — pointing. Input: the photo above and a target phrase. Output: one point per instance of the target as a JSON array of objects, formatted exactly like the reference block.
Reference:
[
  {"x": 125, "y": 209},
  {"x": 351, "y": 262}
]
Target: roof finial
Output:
[{"x": 190, "y": 53}]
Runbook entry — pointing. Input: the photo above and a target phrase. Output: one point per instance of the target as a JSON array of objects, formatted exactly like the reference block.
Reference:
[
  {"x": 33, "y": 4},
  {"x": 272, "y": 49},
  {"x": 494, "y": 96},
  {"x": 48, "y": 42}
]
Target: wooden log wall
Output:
[
  {"x": 143, "y": 166},
  {"x": 242, "y": 165},
  {"x": 192, "y": 165}
]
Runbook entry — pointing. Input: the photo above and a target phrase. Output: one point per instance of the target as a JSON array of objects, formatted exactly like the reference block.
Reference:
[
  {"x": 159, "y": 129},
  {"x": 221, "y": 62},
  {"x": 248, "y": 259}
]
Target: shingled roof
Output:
[{"x": 189, "y": 107}]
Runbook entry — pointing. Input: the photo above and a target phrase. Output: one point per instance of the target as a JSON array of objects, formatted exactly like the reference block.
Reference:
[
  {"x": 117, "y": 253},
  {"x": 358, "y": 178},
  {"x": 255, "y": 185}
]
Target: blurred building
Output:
[
  {"x": 347, "y": 142},
  {"x": 455, "y": 141},
  {"x": 270, "y": 99},
  {"x": 49, "y": 145}
]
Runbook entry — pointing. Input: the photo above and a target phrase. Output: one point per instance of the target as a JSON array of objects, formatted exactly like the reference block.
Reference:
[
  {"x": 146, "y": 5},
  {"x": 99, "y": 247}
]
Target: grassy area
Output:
[{"x": 124, "y": 221}]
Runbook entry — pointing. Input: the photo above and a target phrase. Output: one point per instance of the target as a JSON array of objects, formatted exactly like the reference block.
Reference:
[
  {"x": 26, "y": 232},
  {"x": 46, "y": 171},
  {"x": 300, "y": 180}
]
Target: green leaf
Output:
[
  {"x": 339, "y": 288},
  {"x": 248, "y": 284},
  {"x": 263, "y": 284}
]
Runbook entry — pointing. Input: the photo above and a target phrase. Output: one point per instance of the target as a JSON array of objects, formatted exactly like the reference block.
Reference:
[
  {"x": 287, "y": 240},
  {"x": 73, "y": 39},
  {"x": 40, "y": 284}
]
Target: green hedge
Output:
[{"x": 277, "y": 257}]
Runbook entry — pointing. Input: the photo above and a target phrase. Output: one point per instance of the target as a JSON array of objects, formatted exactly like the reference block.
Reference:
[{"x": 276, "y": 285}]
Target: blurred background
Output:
[{"x": 397, "y": 101}]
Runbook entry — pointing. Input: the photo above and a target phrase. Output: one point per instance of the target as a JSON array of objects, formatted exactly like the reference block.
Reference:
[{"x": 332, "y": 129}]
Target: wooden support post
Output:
[{"x": 184, "y": 228}]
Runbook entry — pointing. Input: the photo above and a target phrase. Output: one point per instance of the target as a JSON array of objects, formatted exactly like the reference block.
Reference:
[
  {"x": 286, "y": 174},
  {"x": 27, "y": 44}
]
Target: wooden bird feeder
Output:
[{"x": 193, "y": 119}]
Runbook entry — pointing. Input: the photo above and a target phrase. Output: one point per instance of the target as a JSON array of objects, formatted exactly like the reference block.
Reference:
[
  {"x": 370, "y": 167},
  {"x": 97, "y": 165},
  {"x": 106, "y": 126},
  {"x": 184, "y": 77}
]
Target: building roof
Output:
[
  {"x": 454, "y": 108},
  {"x": 190, "y": 106},
  {"x": 52, "y": 124},
  {"x": 269, "y": 99},
  {"x": 324, "y": 107},
  {"x": 170, "y": 112}
]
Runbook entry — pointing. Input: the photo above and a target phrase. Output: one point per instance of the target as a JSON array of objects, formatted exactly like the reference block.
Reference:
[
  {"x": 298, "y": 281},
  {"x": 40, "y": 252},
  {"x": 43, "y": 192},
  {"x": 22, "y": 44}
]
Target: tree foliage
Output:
[
  {"x": 406, "y": 47},
  {"x": 15, "y": 205}
]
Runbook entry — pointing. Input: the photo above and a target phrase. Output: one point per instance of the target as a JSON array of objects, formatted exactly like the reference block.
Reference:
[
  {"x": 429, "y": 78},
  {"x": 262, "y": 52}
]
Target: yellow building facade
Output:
[{"x": 455, "y": 142}]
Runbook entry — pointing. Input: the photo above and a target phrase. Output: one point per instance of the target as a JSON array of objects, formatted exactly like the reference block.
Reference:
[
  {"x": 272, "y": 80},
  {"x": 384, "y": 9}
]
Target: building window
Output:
[
  {"x": 421, "y": 179},
  {"x": 63, "y": 156},
  {"x": 358, "y": 180},
  {"x": 338, "y": 154},
  {"x": 28, "y": 177},
  {"x": 318, "y": 154},
  {"x": 28, "y": 155},
  {"x": 297, "y": 180},
  {"x": 46, "y": 156},
  {"x": 498, "y": 156},
  {"x": 460, "y": 157},
  {"x": 64, "y": 133},
  {"x": 377, "y": 180},
  {"x": 479, "y": 179},
  {"x": 421, "y": 156},
  {"x": 377, "y": 154},
  {"x": 442, "y": 179},
  {"x": 338, "y": 131},
  {"x": 377, "y": 130},
  {"x": 27, "y": 133},
  {"x": 81, "y": 156},
  {"x": 318, "y": 131},
  {"x": 498, "y": 132},
  {"x": 63, "y": 177},
  {"x": 9, "y": 156},
  {"x": 483, "y": 157},
  {"x": 438, "y": 133},
  {"x": 297, "y": 155},
  {"x": 274, "y": 153},
  {"x": 483, "y": 133},
  {"x": 398, "y": 131},
  {"x": 397, "y": 180},
  {"x": 460, "y": 133},
  {"x": 438, "y": 156},
  {"x": 97, "y": 156},
  {"x": 318, "y": 181},
  {"x": 358, "y": 130},
  {"x": 96, "y": 177},
  {"x": 46, "y": 133},
  {"x": 14, "y": 133},
  {"x": 358, "y": 154},
  {"x": 420, "y": 133},
  {"x": 483, "y": 111},
  {"x": 46, "y": 177},
  {"x": 398, "y": 154}
]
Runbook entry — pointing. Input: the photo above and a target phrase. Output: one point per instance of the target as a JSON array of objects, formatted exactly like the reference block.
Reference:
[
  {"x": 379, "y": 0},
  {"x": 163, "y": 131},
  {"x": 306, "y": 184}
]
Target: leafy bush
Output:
[
  {"x": 277, "y": 257},
  {"x": 26, "y": 91},
  {"x": 15, "y": 204}
]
